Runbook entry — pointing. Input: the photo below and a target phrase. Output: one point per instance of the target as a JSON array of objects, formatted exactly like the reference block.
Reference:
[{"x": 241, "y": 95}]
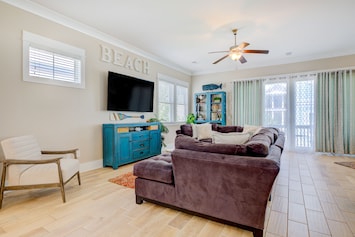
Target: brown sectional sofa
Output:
[{"x": 228, "y": 183}]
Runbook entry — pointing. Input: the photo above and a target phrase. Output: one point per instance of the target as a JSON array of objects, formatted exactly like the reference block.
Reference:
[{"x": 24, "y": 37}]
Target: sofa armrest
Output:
[{"x": 230, "y": 187}]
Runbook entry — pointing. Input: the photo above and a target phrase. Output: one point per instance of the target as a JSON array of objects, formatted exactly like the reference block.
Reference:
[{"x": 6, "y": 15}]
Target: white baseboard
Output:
[{"x": 92, "y": 165}]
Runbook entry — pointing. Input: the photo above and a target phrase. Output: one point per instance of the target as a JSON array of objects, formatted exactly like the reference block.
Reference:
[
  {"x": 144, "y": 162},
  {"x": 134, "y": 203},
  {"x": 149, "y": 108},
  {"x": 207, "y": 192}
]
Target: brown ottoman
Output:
[{"x": 157, "y": 168}]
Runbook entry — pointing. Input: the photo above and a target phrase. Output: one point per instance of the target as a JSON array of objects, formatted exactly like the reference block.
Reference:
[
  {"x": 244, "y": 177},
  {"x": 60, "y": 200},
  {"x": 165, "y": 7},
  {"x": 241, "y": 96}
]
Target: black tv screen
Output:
[{"x": 126, "y": 93}]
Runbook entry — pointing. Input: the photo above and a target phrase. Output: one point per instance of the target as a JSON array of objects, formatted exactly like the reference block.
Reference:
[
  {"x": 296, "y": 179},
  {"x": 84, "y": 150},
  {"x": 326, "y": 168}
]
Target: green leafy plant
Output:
[
  {"x": 190, "y": 118},
  {"x": 163, "y": 128}
]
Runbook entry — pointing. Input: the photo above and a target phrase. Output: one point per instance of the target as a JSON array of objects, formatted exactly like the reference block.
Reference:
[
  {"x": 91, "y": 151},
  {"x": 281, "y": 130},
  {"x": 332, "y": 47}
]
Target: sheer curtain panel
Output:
[
  {"x": 335, "y": 126},
  {"x": 248, "y": 102}
]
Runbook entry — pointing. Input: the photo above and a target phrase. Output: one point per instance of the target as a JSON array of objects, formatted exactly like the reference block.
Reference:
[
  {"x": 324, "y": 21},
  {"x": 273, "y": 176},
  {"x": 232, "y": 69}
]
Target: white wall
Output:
[{"x": 60, "y": 117}]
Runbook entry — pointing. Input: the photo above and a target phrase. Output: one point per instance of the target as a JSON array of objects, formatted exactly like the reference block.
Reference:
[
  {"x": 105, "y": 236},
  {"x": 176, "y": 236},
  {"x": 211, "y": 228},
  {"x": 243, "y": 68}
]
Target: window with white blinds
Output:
[{"x": 52, "y": 62}]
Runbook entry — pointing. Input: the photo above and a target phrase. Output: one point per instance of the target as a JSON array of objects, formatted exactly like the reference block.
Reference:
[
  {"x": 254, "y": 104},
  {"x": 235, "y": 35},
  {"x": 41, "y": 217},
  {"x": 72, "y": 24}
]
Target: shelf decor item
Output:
[
  {"x": 121, "y": 116},
  {"x": 211, "y": 87},
  {"x": 217, "y": 100}
]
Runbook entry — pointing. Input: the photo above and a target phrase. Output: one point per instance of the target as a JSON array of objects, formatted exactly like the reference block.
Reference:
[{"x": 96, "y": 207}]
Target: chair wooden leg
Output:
[
  {"x": 79, "y": 178},
  {"x": 62, "y": 190},
  {"x": 61, "y": 183},
  {"x": 2, "y": 187}
]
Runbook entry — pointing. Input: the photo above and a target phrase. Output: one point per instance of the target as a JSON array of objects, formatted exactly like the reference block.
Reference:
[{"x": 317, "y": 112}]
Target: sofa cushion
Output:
[
  {"x": 230, "y": 138},
  {"x": 275, "y": 154},
  {"x": 280, "y": 141},
  {"x": 202, "y": 131},
  {"x": 189, "y": 143},
  {"x": 257, "y": 148},
  {"x": 274, "y": 131},
  {"x": 263, "y": 133},
  {"x": 227, "y": 129},
  {"x": 186, "y": 129},
  {"x": 258, "y": 144},
  {"x": 252, "y": 129},
  {"x": 158, "y": 168}
]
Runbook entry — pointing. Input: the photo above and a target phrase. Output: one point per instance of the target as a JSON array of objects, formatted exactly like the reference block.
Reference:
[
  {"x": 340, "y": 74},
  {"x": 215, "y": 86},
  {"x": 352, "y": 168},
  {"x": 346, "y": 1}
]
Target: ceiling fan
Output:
[{"x": 236, "y": 51}]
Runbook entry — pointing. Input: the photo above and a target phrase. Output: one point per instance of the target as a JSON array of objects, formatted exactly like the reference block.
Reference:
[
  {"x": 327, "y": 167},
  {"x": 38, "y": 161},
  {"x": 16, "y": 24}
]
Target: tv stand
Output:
[{"x": 129, "y": 142}]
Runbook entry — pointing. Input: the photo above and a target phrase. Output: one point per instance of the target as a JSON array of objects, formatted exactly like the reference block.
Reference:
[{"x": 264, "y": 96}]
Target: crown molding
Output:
[{"x": 51, "y": 15}]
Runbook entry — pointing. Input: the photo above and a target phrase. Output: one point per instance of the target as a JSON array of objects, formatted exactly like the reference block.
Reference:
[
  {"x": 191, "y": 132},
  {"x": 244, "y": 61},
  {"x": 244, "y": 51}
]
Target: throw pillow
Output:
[
  {"x": 236, "y": 138},
  {"x": 252, "y": 129},
  {"x": 202, "y": 131}
]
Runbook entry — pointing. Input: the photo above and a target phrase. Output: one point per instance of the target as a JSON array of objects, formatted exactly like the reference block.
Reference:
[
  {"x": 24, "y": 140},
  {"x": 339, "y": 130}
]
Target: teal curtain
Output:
[
  {"x": 248, "y": 102},
  {"x": 335, "y": 116}
]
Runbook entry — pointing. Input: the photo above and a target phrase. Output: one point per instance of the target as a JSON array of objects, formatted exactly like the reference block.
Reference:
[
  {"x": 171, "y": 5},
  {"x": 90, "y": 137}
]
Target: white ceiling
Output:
[{"x": 182, "y": 32}]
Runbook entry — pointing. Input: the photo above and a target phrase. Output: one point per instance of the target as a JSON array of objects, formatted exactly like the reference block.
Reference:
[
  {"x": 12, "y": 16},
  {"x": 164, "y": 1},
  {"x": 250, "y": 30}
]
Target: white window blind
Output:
[
  {"x": 54, "y": 66},
  {"x": 52, "y": 62}
]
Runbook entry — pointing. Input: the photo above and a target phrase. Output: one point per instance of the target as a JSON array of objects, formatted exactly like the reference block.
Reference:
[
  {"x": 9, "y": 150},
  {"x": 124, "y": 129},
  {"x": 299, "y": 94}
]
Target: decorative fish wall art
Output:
[
  {"x": 211, "y": 87},
  {"x": 120, "y": 116}
]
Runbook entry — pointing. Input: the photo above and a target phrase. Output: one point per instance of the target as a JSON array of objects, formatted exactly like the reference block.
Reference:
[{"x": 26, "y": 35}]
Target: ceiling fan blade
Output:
[
  {"x": 242, "y": 59},
  {"x": 255, "y": 51},
  {"x": 219, "y": 52},
  {"x": 221, "y": 59},
  {"x": 243, "y": 45}
]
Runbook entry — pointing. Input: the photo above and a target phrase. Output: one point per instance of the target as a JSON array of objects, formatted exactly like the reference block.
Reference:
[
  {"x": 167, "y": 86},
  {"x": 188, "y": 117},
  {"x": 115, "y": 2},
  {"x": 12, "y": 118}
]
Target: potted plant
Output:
[
  {"x": 163, "y": 128},
  {"x": 217, "y": 99},
  {"x": 190, "y": 118}
]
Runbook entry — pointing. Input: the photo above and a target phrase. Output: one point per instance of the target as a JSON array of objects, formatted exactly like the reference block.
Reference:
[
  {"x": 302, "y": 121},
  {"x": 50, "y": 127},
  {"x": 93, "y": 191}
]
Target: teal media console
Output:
[{"x": 130, "y": 142}]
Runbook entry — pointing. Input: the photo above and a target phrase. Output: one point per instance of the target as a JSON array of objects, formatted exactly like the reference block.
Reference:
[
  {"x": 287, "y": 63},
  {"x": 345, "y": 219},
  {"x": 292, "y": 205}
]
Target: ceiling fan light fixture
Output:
[
  {"x": 235, "y": 56},
  {"x": 235, "y": 53}
]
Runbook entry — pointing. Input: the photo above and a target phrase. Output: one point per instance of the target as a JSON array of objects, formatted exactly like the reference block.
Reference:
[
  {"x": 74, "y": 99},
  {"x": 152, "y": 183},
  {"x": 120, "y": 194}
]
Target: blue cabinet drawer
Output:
[
  {"x": 140, "y": 153},
  {"x": 136, "y": 145},
  {"x": 144, "y": 135}
]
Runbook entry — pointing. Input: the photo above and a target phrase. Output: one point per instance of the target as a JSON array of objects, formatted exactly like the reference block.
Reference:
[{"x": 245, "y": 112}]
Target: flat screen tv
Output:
[{"x": 126, "y": 93}]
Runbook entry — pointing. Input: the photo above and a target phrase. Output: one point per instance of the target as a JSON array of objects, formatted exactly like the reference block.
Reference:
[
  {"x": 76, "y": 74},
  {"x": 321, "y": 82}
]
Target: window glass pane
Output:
[
  {"x": 41, "y": 63},
  {"x": 66, "y": 68},
  {"x": 165, "y": 111},
  {"x": 275, "y": 105},
  {"x": 181, "y": 95},
  {"x": 181, "y": 113},
  {"x": 166, "y": 92},
  {"x": 304, "y": 113}
]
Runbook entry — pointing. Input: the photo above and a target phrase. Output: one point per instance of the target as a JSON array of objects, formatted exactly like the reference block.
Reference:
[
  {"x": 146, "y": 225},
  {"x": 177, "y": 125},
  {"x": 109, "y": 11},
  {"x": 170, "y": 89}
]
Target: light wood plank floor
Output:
[{"x": 312, "y": 197}]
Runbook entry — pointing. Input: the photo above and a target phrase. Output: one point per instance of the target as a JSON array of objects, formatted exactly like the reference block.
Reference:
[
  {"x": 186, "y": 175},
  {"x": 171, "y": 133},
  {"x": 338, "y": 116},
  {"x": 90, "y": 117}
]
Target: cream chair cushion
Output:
[{"x": 47, "y": 173}]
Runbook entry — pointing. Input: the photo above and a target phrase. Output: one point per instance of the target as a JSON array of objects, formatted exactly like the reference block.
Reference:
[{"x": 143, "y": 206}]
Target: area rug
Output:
[
  {"x": 350, "y": 164},
  {"x": 126, "y": 180}
]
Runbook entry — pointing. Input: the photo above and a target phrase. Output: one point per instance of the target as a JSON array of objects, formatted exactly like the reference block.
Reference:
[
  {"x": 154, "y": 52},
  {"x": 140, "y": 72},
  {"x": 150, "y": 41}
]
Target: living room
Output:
[{"x": 63, "y": 117}]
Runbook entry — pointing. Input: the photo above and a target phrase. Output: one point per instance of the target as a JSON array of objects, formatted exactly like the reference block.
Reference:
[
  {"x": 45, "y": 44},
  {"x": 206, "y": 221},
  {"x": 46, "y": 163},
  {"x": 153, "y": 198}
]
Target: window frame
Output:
[
  {"x": 175, "y": 83},
  {"x": 31, "y": 40}
]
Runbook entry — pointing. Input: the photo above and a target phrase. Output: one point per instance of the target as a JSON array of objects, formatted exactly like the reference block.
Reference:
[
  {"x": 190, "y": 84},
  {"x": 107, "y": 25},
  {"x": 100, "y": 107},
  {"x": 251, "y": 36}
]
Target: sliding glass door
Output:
[{"x": 289, "y": 106}]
